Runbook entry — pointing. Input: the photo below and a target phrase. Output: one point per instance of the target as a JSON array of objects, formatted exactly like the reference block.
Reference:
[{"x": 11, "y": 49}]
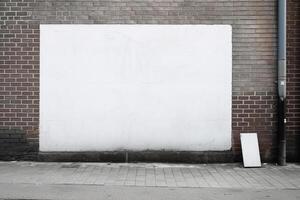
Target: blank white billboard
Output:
[{"x": 135, "y": 87}]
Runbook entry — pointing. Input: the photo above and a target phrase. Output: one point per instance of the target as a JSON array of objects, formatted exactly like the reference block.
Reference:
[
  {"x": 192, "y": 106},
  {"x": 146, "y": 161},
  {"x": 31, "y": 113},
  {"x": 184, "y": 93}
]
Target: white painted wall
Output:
[{"x": 135, "y": 87}]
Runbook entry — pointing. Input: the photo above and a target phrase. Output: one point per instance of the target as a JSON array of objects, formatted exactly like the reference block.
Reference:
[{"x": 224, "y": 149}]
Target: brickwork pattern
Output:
[
  {"x": 293, "y": 80},
  {"x": 14, "y": 145},
  {"x": 19, "y": 72},
  {"x": 254, "y": 53}
]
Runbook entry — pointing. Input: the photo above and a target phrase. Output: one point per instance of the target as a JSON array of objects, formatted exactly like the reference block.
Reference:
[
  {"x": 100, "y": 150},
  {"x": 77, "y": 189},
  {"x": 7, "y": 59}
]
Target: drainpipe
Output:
[{"x": 282, "y": 80}]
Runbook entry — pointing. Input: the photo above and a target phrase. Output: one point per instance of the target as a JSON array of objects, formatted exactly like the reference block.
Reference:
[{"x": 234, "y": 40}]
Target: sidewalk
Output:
[{"x": 232, "y": 176}]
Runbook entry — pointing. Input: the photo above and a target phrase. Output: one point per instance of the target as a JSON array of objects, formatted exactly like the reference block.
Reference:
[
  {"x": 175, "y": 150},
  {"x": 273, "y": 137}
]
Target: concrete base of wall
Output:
[{"x": 142, "y": 156}]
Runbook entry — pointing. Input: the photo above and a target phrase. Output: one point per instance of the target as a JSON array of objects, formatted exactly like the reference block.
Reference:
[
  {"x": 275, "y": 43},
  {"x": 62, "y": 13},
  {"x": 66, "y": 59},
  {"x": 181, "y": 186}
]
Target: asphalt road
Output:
[{"x": 91, "y": 192}]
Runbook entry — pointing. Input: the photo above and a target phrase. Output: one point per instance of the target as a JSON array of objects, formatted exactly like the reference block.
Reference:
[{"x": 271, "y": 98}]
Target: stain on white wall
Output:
[{"x": 135, "y": 87}]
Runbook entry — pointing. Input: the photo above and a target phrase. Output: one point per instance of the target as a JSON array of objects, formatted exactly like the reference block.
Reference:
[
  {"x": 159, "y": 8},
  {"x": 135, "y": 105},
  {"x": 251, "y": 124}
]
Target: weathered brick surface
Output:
[
  {"x": 15, "y": 146},
  {"x": 19, "y": 80},
  {"x": 254, "y": 54},
  {"x": 255, "y": 112},
  {"x": 293, "y": 80}
]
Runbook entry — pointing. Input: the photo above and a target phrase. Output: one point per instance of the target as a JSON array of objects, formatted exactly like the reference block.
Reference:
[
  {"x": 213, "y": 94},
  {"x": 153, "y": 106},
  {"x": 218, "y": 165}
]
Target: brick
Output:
[{"x": 293, "y": 76}]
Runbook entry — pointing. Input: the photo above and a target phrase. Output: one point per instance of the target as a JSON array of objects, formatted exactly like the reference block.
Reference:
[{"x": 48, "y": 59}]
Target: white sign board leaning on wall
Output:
[{"x": 135, "y": 87}]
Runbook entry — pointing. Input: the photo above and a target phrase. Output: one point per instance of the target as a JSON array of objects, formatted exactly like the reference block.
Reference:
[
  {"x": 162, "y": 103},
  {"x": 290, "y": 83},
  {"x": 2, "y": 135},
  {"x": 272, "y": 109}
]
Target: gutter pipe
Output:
[{"x": 282, "y": 81}]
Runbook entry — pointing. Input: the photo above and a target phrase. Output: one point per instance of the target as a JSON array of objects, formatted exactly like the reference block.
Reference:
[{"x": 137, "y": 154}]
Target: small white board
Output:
[{"x": 250, "y": 150}]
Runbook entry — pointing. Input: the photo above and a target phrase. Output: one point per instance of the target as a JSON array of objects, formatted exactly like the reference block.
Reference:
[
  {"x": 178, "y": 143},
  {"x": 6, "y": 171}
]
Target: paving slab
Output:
[
  {"x": 232, "y": 176},
  {"x": 104, "y": 192}
]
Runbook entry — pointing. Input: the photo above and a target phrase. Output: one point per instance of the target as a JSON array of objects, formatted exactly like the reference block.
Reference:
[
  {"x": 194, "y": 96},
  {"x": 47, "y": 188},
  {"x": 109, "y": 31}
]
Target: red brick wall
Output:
[
  {"x": 19, "y": 81},
  {"x": 19, "y": 72},
  {"x": 293, "y": 80},
  {"x": 255, "y": 112}
]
